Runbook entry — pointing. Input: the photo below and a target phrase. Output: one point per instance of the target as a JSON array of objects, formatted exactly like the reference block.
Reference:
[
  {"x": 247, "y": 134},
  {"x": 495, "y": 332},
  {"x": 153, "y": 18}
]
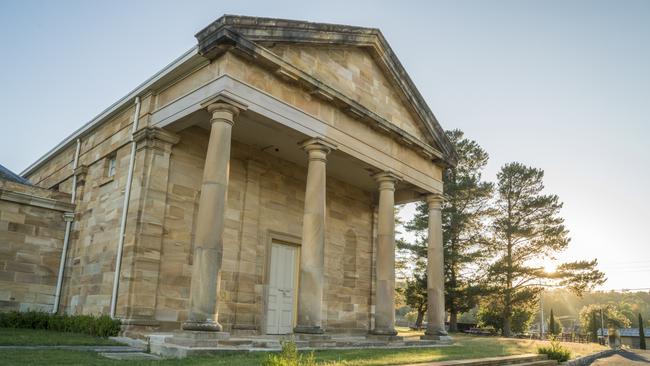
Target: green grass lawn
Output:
[
  {"x": 464, "y": 347},
  {"x": 32, "y": 337}
]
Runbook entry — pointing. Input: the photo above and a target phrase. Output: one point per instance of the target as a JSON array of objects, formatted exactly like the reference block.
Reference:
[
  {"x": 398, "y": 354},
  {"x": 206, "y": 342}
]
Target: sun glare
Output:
[{"x": 549, "y": 267}]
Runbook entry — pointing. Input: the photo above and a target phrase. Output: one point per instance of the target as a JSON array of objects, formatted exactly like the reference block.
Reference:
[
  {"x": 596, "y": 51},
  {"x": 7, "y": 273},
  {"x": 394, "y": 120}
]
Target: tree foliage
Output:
[
  {"x": 527, "y": 228},
  {"x": 490, "y": 314},
  {"x": 415, "y": 296},
  {"x": 641, "y": 333},
  {"x": 554, "y": 326},
  {"x": 612, "y": 317},
  {"x": 463, "y": 215}
]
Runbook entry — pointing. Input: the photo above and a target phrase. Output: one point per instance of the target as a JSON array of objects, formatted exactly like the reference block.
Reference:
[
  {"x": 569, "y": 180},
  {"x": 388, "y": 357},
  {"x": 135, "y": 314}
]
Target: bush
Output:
[
  {"x": 555, "y": 351},
  {"x": 289, "y": 356},
  {"x": 101, "y": 326}
]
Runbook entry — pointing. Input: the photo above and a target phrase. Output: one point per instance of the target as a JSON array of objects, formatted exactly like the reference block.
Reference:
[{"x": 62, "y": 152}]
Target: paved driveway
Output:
[{"x": 625, "y": 358}]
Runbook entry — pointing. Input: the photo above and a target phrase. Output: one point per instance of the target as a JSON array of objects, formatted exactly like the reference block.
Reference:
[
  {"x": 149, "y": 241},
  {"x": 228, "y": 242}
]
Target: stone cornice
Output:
[
  {"x": 219, "y": 37},
  {"x": 31, "y": 200},
  {"x": 154, "y": 137}
]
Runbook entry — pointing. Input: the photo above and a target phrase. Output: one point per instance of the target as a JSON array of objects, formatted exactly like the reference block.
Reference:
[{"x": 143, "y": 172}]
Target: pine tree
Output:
[
  {"x": 463, "y": 215},
  {"x": 527, "y": 228},
  {"x": 641, "y": 333}
]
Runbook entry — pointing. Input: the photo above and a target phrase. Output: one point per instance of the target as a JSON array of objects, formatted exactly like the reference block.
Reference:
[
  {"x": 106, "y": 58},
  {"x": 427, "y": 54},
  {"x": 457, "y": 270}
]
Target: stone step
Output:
[
  {"x": 236, "y": 342},
  {"x": 539, "y": 363},
  {"x": 517, "y": 360},
  {"x": 129, "y": 356}
]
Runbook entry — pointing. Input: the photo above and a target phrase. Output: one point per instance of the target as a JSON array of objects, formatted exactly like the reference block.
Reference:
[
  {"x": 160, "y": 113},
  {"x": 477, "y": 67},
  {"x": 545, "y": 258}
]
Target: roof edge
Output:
[{"x": 112, "y": 109}]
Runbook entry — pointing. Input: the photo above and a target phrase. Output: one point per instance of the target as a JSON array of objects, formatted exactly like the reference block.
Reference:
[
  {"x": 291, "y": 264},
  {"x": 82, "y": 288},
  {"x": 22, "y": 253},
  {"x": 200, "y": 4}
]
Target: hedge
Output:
[{"x": 100, "y": 326}]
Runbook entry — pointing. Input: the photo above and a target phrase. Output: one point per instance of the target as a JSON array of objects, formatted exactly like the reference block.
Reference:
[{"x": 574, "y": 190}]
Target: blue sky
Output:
[{"x": 559, "y": 85}]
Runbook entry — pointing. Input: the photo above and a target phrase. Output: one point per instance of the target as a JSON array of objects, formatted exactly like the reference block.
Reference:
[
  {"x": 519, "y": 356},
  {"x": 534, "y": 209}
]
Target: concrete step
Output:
[
  {"x": 517, "y": 360},
  {"x": 539, "y": 363}
]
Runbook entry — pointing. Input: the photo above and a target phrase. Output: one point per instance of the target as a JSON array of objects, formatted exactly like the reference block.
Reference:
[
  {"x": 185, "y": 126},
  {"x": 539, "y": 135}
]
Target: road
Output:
[{"x": 625, "y": 358}]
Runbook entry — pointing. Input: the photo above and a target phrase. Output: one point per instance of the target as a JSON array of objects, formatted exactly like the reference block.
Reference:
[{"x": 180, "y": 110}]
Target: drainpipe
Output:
[
  {"x": 125, "y": 209},
  {"x": 68, "y": 217}
]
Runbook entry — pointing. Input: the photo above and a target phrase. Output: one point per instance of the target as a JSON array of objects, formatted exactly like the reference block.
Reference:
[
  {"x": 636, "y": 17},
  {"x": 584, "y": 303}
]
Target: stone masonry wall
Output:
[
  {"x": 31, "y": 239},
  {"x": 265, "y": 199}
]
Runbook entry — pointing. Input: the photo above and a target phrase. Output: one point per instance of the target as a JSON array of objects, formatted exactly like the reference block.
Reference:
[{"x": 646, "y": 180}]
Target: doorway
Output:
[{"x": 283, "y": 283}]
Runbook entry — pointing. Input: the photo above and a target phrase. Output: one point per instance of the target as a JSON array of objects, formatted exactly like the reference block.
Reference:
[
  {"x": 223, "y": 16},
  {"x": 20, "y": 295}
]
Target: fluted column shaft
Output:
[
  {"x": 208, "y": 244},
  {"x": 312, "y": 252},
  {"x": 435, "y": 271},
  {"x": 385, "y": 260}
]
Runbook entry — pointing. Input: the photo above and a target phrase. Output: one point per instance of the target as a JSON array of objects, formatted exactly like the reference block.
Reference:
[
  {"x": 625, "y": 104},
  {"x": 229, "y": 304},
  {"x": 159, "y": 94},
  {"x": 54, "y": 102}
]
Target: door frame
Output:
[{"x": 282, "y": 239}]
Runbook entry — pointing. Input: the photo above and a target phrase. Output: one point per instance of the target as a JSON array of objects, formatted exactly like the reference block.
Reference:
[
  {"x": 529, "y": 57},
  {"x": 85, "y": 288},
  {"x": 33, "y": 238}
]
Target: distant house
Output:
[{"x": 629, "y": 336}]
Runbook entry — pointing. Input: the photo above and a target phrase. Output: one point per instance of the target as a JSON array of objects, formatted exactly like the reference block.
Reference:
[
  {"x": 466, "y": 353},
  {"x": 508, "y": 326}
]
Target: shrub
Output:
[
  {"x": 101, "y": 326},
  {"x": 555, "y": 351},
  {"x": 289, "y": 356}
]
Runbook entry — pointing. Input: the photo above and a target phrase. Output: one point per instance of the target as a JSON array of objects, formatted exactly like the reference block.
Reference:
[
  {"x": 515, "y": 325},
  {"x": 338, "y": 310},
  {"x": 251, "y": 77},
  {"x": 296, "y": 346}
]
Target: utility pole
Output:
[
  {"x": 602, "y": 325},
  {"x": 541, "y": 321}
]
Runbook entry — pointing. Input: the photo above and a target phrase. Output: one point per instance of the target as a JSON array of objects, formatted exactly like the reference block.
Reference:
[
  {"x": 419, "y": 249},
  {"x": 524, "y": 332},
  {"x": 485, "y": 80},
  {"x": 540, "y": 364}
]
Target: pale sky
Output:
[{"x": 559, "y": 85}]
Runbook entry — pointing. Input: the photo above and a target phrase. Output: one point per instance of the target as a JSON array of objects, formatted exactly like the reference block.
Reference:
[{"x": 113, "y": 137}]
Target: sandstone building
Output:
[{"x": 249, "y": 187}]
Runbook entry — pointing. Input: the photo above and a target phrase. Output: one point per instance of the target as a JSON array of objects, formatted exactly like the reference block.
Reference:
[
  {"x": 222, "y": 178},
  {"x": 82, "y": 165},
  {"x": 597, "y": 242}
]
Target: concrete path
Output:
[
  {"x": 77, "y": 348},
  {"x": 625, "y": 358}
]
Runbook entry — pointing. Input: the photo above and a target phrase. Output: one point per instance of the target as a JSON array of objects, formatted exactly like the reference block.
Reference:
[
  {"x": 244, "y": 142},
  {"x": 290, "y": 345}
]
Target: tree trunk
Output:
[
  {"x": 453, "y": 321},
  {"x": 506, "y": 326},
  {"x": 418, "y": 321}
]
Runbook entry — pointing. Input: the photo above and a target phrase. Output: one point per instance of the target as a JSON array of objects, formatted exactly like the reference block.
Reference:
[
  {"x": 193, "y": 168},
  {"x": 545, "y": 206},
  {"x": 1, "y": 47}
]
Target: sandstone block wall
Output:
[
  {"x": 31, "y": 239},
  {"x": 265, "y": 202}
]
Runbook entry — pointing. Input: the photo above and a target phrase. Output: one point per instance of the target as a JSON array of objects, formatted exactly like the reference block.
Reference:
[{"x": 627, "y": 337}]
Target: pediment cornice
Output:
[{"x": 247, "y": 35}]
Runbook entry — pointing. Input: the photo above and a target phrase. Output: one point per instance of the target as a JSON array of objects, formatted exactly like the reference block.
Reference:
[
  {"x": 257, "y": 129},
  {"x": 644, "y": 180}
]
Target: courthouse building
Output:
[{"x": 249, "y": 187}]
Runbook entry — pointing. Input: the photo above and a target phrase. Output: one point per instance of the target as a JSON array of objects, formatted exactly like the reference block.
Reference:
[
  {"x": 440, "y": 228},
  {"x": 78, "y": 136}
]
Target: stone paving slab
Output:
[{"x": 130, "y": 356}]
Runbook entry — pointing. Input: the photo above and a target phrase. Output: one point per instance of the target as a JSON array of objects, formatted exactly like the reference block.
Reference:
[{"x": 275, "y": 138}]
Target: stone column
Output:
[
  {"x": 208, "y": 244},
  {"x": 385, "y": 260},
  {"x": 435, "y": 273},
  {"x": 312, "y": 252}
]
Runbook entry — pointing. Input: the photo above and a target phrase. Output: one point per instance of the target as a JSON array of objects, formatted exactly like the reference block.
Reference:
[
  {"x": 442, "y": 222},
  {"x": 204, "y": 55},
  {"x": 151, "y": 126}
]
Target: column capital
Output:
[
  {"x": 386, "y": 179},
  {"x": 68, "y": 216},
  {"x": 155, "y": 137},
  {"x": 317, "y": 148},
  {"x": 223, "y": 109},
  {"x": 80, "y": 172},
  {"x": 435, "y": 200}
]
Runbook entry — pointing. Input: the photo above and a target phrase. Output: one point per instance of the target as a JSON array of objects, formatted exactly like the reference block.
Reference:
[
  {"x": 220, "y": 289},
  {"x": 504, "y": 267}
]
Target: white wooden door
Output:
[{"x": 282, "y": 289}]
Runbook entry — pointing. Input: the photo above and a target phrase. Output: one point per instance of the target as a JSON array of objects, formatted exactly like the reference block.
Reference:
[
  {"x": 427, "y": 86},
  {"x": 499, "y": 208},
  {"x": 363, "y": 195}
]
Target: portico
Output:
[{"x": 292, "y": 144}]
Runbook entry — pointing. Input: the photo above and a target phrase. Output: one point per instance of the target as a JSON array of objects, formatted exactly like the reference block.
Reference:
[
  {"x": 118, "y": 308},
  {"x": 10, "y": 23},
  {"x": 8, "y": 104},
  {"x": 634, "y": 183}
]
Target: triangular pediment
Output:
[
  {"x": 354, "y": 72},
  {"x": 354, "y": 61}
]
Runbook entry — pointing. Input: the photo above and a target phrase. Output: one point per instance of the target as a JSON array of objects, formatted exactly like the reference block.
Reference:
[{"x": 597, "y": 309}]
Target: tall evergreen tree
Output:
[
  {"x": 551, "y": 325},
  {"x": 641, "y": 333},
  {"x": 463, "y": 214},
  {"x": 527, "y": 228}
]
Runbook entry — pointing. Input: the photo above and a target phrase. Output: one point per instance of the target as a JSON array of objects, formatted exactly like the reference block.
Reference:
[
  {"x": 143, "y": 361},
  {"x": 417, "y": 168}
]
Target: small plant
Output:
[
  {"x": 556, "y": 351},
  {"x": 101, "y": 326},
  {"x": 289, "y": 356}
]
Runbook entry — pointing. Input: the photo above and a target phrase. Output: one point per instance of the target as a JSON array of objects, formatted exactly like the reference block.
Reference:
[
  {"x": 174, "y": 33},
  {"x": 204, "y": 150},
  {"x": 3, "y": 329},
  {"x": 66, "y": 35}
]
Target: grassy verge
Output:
[
  {"x": 34, "y": 337},
  {"x": 464, "y": 347}
]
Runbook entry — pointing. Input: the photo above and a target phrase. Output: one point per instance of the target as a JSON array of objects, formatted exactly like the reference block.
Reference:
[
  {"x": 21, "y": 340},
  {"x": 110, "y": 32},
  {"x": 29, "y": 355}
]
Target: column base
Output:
[
  {"x": 384, "y": 332},
  {"x": 307, "y": 329},
  {"x": 436, "y": 336},
  {"x": 202, "y": 326},
  {"x": 384, "y": 337}
]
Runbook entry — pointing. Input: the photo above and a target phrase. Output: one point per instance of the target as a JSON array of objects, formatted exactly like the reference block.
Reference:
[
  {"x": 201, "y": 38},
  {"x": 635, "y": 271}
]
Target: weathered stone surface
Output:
[
  {"x": 31, "y": 240},
  {"x": 261, "y": 197}
]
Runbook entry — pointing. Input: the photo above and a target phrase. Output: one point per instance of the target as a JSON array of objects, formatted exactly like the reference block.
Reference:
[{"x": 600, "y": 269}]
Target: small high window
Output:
[{"x": 111, "y": 162}]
